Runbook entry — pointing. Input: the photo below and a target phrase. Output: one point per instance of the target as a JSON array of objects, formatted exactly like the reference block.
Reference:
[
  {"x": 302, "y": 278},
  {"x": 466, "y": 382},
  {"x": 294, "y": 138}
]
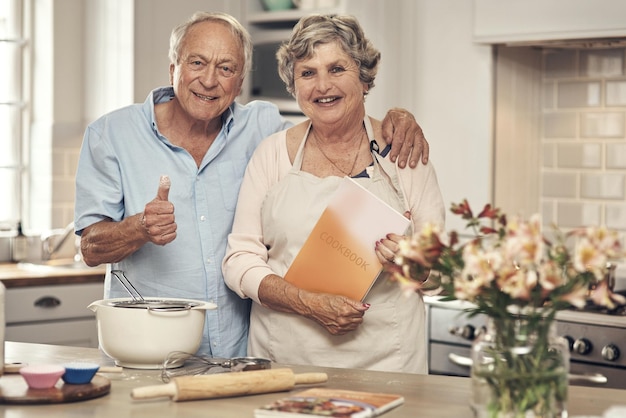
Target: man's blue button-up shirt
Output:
[{"x": 121, "y": 160}]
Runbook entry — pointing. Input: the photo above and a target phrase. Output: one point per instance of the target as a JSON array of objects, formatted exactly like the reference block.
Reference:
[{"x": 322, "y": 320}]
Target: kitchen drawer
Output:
[
  {"x": 77, "y": 333},
  {"x": 440, "y": 362},
  {"x": 47, "y": 303}
]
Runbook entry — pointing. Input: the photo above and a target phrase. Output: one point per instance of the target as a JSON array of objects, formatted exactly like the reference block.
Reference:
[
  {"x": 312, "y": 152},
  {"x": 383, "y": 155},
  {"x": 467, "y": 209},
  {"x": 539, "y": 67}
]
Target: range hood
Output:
[
  {"x": 593, "y": 43},
  {"x": 553, "y": 23}
]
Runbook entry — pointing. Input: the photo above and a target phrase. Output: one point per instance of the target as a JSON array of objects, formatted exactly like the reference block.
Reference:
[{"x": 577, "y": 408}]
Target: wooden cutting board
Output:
[{"x": 14, "y": 390}]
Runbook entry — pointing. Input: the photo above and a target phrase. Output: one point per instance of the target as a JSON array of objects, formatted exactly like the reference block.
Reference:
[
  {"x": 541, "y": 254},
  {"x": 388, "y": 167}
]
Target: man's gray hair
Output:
[{"x": 180, "y": 31}]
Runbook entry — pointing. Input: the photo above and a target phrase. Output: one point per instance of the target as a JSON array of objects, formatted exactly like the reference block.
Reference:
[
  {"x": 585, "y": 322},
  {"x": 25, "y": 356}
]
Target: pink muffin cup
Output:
[{"x": 42, "y": 376}]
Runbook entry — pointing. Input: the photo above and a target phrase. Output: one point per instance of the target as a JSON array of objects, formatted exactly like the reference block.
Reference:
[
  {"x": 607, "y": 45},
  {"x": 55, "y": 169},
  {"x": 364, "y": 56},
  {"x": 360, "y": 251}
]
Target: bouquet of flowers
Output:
[
  {"x": 519, "y": 277},
  {"x": 510, "y": 266}
]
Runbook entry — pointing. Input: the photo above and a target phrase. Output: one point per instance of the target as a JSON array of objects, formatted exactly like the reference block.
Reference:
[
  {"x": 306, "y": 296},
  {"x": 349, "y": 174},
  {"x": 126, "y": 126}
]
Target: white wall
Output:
[
  {"x": 451, "y": 98},
  {"x": 379, "y": 20},
  {"x": 58, "y": 99},
  {"x": 108, "y": 57}
]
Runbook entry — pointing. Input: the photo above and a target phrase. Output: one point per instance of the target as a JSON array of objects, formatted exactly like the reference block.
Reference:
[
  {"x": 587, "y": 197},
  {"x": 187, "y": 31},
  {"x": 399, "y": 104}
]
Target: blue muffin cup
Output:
[{"x": 79, "y": 373}]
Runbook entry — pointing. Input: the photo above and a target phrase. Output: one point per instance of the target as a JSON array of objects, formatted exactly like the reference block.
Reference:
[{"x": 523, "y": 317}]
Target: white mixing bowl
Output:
[{"x": 142, "y": 336}]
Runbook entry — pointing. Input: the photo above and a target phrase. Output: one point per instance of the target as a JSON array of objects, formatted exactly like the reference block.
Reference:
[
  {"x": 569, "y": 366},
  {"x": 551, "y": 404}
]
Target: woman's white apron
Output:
[{"x": 392, "y": 336}]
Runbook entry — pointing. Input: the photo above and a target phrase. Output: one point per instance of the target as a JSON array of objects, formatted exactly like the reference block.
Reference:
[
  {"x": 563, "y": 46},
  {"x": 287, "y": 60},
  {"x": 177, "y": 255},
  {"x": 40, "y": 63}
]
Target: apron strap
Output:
[{"x": 297, "y": 161}]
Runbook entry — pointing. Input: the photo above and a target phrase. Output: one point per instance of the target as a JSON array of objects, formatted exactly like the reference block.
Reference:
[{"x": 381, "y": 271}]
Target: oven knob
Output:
[
  {"x": 610, "y": 352},
  {"x": 467, "y": 332},
  {"x": 583, "y": 346},
  {"x": 570, "y": 342}
]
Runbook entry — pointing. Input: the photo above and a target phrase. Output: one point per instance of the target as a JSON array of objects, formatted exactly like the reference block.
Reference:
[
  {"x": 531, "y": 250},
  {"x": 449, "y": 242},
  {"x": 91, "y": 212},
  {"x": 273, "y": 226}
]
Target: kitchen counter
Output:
[
  {"x": 27, "y": 274},
  {"x": 425, "y": 396}
]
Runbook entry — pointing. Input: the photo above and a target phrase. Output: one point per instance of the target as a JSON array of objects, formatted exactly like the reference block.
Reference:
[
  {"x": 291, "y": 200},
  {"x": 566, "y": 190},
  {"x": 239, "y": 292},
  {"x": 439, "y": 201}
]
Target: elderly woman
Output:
[{"x": 329, "y": 66}]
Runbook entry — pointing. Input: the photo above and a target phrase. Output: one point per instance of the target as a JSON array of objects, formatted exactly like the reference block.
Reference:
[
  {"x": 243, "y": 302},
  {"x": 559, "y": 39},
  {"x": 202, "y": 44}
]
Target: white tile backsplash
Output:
[
  {"x": 615, "y": 215},
  {"x": 584, "y": 138},
  {"x": 602, "y": 125},
  {"x": 578, "y": 94},
  {"x": 579, "y": 155},
  {"x": 563, "y": 185},
  {"x": 602, "y": 186},
  {"x": 560, "y": 125},
  {"x": 561, "y": 64},
  {"x": 601, "y": 62},
  {"x": 575, "y": 214},
  {"x": 547, "y": 212},
  {"x": 616, "y": 156},
  {"x": 616, "y": 93},
  {"x": 64, "y": 163},
  {"x": 548, "y": 95},
  {"x": 549, "y": 155}
]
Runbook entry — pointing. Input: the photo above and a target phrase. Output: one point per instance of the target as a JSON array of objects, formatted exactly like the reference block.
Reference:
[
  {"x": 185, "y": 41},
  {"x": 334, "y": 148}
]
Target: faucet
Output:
[{"x": 50, "y": 250}]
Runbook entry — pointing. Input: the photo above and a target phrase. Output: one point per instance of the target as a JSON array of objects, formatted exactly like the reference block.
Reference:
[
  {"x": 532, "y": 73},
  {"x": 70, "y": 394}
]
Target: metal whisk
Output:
[{"x": 180, "y": 363}]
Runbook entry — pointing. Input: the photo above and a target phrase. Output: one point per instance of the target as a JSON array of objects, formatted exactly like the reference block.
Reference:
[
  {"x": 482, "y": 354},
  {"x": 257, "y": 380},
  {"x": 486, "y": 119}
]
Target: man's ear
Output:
[
  {"x": 240, "y": 87},
  {"x": 172, "y": 67}
]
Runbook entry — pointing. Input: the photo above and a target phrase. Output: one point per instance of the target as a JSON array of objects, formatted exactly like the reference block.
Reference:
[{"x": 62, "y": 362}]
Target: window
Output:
[{"x": 14, "y": 107}]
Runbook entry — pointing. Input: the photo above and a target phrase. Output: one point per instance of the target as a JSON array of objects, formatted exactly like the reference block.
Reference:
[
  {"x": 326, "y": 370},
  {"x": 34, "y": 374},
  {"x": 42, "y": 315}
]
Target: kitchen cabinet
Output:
[
  {"x": 54, "y": 314},
  {"x": 497, "y": 21}
]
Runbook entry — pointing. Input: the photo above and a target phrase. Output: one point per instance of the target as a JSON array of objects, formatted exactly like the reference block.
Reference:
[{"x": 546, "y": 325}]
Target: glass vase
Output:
[{"x": 519, "y": 370}]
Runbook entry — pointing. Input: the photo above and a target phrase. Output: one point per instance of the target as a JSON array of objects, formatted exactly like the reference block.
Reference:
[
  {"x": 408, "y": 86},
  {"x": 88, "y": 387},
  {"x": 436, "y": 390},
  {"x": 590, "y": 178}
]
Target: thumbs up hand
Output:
[
  {"x": 164, "y": 188},
  {"x": 157, "y": 220}
]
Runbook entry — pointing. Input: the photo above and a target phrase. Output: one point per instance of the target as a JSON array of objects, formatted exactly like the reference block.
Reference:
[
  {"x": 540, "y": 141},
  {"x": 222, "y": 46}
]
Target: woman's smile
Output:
[{"x": 326, "y": 100}]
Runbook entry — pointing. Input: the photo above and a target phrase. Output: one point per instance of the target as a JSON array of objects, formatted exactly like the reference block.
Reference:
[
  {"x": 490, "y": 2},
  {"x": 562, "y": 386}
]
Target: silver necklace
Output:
[{"x": 356, "y": 156}]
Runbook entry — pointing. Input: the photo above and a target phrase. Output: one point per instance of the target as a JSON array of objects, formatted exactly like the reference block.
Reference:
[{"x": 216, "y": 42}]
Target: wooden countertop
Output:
[
  {"x": 16, "y": 275},
  {"x": 425, "y": 396}
]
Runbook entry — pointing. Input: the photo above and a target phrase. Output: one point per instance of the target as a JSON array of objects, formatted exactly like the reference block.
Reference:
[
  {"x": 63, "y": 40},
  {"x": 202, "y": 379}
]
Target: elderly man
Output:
[{"x": 170, "y": 240}]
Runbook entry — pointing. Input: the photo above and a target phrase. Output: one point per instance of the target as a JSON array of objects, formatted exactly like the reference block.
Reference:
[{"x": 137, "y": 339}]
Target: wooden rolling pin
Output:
[
  {"x": 110, "y": 369},
  {"x": 188, "y": 388}
]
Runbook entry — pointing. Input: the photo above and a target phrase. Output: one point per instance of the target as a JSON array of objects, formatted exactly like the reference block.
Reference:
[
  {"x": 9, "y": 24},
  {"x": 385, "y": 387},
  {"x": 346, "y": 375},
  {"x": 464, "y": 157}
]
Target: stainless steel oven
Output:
[{"x": 597, "y": 342}]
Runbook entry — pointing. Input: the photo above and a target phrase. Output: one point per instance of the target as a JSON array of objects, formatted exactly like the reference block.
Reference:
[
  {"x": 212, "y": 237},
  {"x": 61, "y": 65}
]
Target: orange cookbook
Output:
[{"x": 338, "y": 256}]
